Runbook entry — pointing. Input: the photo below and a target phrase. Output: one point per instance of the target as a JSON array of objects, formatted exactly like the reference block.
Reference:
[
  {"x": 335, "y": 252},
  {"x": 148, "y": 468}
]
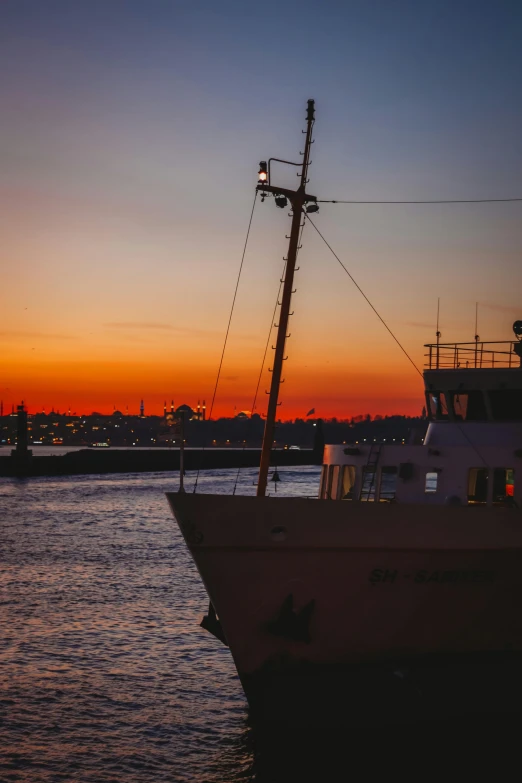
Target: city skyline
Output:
[
  {"x": 132, "y": 136},
  {"x": 198, "y": 408}
]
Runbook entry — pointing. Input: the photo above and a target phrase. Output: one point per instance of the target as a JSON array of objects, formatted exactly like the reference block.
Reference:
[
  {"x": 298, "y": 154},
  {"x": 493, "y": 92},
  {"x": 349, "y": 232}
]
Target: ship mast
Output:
[{"x": 298, "y": 200}]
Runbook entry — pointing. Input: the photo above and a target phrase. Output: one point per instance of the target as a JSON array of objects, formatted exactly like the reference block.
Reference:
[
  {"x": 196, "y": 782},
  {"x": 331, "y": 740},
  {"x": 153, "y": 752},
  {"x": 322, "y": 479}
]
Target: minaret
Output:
[
  {"x": 204, "y": 410},
  {"x": 199, "y": 410},
  {"x": 172, "y": 406},
  {"x": 142, "y": 409},
  {"x": 165, "y": 409},
  {"x": 21, "y": 441},
  {"x": 1, "y": 407}
]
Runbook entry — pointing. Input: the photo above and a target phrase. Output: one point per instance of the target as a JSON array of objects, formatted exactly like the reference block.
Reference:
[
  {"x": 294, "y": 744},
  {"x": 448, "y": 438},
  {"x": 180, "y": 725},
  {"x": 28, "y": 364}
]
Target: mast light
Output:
[{"x": 263, "y": 173}]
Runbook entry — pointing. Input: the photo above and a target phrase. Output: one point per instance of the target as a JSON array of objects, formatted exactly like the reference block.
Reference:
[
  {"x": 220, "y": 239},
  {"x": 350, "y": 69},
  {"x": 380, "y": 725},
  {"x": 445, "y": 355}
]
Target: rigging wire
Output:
[
  {"x": 379, "y": 316},
  {"x": 465, "y": 435},
  {"x": 261, "y": 371},
  {"x": 435, "y": 201},
  {"x": 267, "y": 344},
  {"x": 228, "y": 326},
  {"x": 268, "y": 341}
]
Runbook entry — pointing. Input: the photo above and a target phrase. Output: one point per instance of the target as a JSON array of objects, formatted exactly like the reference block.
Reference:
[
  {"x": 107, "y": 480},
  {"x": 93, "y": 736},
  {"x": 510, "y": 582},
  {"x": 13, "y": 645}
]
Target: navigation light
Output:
[{"x": 263, "y": 173}]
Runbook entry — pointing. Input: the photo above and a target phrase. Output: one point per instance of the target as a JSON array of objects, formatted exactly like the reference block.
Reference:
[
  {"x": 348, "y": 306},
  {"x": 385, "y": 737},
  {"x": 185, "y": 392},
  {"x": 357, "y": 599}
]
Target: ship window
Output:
[
  {"x": 478, "y": 485},
  {"x": 503, "y": 485},
  {"x": 334, "y": 489},
  {"x": 437, "y": 405},
  {"x": 328, "y": 494},
  {"x": 469, "y": 405},
  {"x": 369, "y": 483},
  {"x": 388, "y": 483},
  {"x": 322, "y": 485},
  {"x": 347, "y": 482},
  {"x": 460, "y": 405},
  {"x": 432, "y": 479},
  {"x": 506, "y": 404},
  {"x": 333, "y": 482}
]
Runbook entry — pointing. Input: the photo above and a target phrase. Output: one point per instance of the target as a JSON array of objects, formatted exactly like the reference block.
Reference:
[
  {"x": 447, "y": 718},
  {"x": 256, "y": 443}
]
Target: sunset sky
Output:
[{"x": 130, "y": 140}]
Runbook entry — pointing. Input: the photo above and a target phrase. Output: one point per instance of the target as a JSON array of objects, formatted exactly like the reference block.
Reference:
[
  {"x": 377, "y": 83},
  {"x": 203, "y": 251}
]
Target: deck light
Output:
[{"x": 263, "y": 173}]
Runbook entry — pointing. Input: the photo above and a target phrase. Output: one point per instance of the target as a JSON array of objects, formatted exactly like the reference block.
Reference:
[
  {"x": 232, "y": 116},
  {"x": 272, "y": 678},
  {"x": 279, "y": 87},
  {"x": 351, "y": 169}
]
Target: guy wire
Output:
[
  {"x": 266, "y": 346},
  {"x": 228, "y": 329},
  {"x": 464, "y": 434}
]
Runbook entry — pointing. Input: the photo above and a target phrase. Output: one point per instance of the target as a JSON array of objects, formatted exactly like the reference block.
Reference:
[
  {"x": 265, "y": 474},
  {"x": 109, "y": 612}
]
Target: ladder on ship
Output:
[{"x": 370, "y": 473}]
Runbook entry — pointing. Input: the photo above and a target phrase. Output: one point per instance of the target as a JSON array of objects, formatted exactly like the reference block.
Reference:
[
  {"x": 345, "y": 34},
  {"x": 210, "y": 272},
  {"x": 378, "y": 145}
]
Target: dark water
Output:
[{"x": 105, "y": 674}]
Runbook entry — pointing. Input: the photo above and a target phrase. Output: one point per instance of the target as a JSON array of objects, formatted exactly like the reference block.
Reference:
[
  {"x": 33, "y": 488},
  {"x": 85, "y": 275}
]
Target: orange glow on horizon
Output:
[{"x": 89, "y": 385}]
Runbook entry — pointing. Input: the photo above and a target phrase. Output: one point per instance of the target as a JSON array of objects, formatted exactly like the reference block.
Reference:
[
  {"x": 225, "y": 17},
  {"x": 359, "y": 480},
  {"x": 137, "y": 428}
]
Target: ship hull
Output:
[
  {"x": 407, "y": 690},
  {"x": 363, "y": 612}
]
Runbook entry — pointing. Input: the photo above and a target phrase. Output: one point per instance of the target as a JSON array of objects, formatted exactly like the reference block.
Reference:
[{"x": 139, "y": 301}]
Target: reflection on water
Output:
[{"x": 105, "y": 674}]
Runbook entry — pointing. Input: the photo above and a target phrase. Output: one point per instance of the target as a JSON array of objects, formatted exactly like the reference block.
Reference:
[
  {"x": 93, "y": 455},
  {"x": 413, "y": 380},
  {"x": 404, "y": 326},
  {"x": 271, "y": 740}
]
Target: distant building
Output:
[
  {"x": 187, "y": 411},
  {"x": 191, "y": 414}
]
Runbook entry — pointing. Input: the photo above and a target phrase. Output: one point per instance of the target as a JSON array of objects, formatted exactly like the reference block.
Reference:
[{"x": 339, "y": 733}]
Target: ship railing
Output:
[{"x": 452, "y": 356}]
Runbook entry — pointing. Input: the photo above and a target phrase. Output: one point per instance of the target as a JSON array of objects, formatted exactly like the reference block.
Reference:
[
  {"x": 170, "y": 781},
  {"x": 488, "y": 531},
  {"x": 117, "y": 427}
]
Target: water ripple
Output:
[{"x": 105, "y": 674}]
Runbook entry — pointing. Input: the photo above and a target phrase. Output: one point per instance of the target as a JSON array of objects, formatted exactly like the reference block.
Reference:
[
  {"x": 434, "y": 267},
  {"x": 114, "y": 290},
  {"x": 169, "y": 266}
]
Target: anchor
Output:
[
  {"x": 290, "y": 624},
  {"x": 211, "y": 624}
]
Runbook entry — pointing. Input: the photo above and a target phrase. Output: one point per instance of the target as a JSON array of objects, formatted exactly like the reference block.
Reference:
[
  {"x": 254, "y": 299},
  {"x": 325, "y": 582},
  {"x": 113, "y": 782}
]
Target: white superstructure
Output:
[{"x": 472, "y": 447}]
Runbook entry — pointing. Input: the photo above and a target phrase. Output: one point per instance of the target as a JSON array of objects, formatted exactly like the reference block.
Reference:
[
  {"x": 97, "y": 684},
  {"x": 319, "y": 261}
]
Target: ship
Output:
[{"x": 395, "y": 594}]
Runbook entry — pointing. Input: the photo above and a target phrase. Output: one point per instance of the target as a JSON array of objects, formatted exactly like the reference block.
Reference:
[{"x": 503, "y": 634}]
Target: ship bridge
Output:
[
  {"x": 474, "y": 382},
  {"x": 472, "y": 451}
]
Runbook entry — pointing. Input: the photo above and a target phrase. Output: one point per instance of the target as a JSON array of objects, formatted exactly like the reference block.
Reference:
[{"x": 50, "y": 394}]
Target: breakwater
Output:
[{"x": 97, "y": 461}]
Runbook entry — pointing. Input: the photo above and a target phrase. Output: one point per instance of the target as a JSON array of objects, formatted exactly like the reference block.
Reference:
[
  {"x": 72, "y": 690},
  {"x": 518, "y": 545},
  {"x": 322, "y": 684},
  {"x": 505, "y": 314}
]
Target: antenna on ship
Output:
[
  {"x": 300, "y": 202},
  {"x": 477, "y": 338},
  {"x": 437, "y": 333}
]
